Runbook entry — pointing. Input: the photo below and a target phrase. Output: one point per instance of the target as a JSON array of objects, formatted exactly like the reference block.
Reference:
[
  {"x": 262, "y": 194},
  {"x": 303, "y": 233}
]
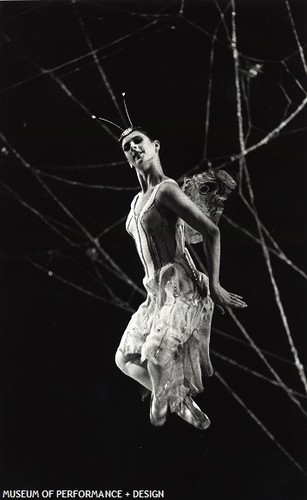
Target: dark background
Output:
[{"x": 69, "y": 418}]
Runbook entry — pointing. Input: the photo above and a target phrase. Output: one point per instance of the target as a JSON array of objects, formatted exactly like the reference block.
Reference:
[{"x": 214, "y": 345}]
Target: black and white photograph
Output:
[{"x": 153, "y": 249}]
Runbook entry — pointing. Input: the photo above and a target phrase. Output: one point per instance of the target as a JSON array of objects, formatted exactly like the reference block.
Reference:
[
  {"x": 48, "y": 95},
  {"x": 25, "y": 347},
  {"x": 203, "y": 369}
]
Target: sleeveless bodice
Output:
[
  {"x": 156, "y": 236},
  {"x": 172, "y": 326}
]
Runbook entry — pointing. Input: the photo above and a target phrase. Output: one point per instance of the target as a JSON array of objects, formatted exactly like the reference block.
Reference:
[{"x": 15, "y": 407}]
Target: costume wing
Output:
[{"x": 208, "y": 191}]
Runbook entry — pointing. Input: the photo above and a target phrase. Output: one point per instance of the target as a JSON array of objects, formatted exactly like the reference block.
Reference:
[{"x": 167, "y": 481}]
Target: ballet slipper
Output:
[{"x": 191, "y": 413}]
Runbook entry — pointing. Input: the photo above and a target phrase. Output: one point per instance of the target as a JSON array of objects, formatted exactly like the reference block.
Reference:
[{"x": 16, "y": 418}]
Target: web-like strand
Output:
[
  {"x": 261, "y": 355},
  {"x": 258, "y": 422},
  {"x": 91, "y": 244},
  {"x": 276, "y": 250},
  {"x": 92, "y": 239},
  {"x": 97, "y": 62},
  {"x": 296, "y": 37},
  {"x": 266, "y": 254},
  {"x": 254, "y": 372},
  {"x": 207, "y": 119},
  {"x": 263, "y": 244},
  {"x": 247, "y": 344},
  {"x": 89, "y": 55},
  {"x": 117, "y": 301}
]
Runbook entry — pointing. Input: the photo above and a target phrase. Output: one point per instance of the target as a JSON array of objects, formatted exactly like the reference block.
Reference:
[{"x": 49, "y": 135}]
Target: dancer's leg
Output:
[
  {"x": 150, "y": 377},
  {"x": 130, "y": 365},
  {"x": 153, "y": 378},
  {"x": 159, "y": 376}
]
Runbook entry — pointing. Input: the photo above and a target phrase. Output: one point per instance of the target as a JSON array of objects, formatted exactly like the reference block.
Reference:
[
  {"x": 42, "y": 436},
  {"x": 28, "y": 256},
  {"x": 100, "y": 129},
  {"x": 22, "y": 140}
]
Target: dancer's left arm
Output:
[{"x": 171, "y": 197}]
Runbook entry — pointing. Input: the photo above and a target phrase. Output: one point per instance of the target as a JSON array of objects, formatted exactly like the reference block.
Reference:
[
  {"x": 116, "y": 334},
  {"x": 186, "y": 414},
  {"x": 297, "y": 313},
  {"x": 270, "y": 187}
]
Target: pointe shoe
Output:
[
  {"x": 191, "y": 413},
  {"x": 157, "y": 418}
]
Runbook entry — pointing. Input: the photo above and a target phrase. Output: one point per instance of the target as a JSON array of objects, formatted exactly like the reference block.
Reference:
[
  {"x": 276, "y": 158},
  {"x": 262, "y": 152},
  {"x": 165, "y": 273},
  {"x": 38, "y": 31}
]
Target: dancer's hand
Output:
[{"x": 222, "y": 298}]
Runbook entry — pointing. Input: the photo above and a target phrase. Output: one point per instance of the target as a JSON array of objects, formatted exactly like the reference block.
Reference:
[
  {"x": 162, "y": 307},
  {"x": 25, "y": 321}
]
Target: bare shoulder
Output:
[
  {"x": 170, "y": 194},
  {"x": 168, "y": 188},
  {"x": 172, "y": 197}
]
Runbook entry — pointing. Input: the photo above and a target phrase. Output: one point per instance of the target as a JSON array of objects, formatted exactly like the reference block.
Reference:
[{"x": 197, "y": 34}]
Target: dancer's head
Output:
[{"x": 139, "y": 147}]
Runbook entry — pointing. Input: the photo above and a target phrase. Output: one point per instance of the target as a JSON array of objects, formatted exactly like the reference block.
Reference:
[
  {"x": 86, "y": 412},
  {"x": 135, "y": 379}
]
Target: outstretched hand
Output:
[{"x": 222, "y": 298}]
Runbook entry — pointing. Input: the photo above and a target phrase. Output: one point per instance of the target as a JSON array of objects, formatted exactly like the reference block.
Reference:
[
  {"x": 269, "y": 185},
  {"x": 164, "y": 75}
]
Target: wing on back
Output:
[{"x": 208, "y": 191}]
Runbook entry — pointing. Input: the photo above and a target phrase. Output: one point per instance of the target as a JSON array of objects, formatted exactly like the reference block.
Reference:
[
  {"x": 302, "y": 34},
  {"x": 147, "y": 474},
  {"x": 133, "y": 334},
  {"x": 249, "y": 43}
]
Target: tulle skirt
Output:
[{"x": 171, "y": 329}]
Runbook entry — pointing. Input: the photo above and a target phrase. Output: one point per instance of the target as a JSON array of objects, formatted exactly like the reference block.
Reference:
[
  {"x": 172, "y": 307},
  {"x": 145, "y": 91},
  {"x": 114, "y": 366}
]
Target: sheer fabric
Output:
[{"x": 172, "y": 326}]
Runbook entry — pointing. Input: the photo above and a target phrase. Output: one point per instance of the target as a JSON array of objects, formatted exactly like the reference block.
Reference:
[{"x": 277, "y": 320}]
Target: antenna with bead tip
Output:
[
  {"x": 108, "y": 121},
  {"x": 125, "y": 131},
  {"x": 126, "y": 109}
]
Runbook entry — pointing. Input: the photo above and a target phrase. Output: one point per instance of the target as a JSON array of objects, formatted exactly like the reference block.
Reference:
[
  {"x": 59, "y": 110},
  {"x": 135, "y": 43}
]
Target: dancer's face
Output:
[{"x": 139, "y": 149}]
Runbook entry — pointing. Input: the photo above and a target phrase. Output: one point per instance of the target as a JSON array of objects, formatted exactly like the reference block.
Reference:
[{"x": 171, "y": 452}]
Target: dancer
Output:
[{"x": 165, "y": 346}]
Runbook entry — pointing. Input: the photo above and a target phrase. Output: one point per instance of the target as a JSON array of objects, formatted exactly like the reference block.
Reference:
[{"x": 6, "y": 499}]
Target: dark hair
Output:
[{"x": 138, "y": 128}]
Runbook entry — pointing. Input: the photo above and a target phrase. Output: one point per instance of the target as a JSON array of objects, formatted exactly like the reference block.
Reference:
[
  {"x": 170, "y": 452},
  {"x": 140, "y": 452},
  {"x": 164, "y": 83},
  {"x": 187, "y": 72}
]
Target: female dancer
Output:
[{"x": 165, "y": 346}]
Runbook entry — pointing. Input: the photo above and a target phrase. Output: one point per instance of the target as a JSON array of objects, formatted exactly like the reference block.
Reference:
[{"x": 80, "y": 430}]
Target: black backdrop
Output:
[{"x": 69, "y": 419}]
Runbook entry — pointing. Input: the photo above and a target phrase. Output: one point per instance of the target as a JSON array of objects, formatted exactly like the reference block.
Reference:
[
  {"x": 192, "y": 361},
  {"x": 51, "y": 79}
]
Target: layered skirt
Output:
[{"x": 171, "y": 329}]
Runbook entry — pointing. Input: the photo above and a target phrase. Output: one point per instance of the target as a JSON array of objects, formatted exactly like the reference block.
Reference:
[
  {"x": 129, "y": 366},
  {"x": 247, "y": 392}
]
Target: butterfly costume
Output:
[{"x": 172, "y": 326}]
